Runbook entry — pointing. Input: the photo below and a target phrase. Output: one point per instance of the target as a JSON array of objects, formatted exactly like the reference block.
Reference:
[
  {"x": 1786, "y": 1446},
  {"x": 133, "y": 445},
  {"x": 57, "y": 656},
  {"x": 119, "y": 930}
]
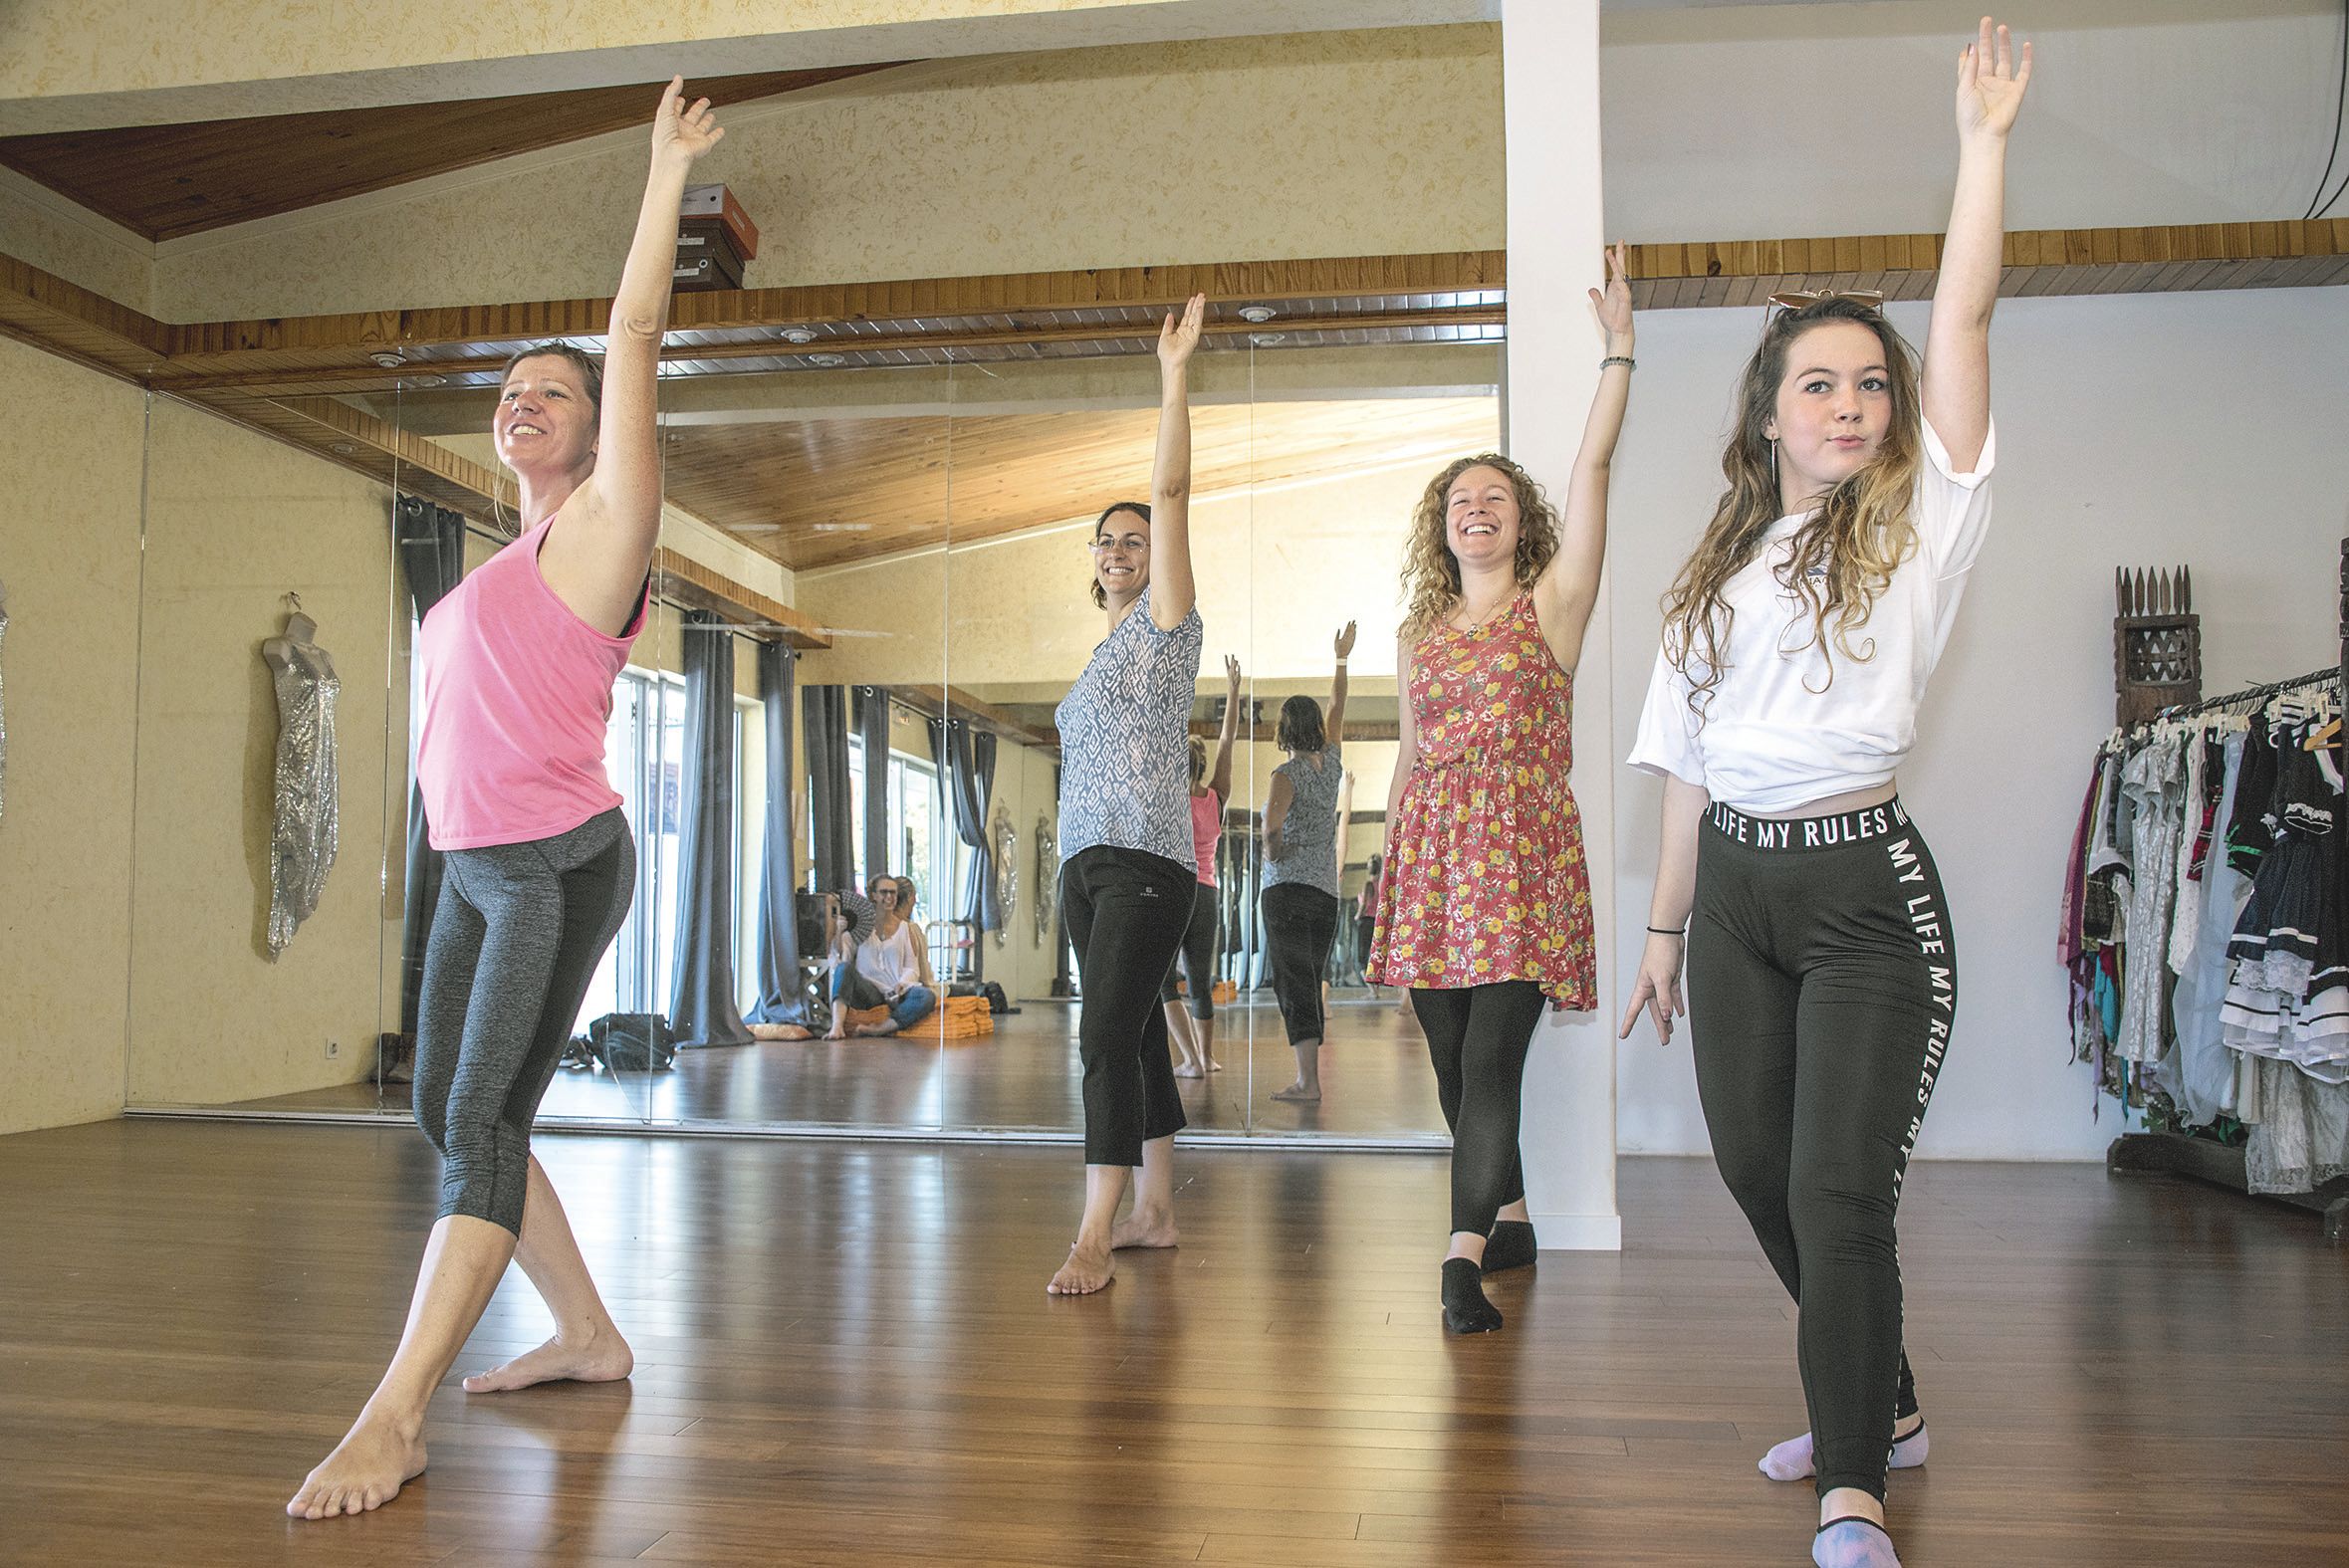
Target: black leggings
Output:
[
  {"x": 1198, "y": 953},
  {"x": 1822, "y": 981},
  {"x": 1301, "y": 923},
  {"x": 516, "y": 938},
  {"x": 1127, "y": 911},
  {"x": 1478, "y": 1036}
]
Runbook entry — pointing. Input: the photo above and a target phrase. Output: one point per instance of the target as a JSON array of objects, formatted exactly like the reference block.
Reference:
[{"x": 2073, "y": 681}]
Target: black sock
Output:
[
  {"x": 1466, "y": 1311},
  {"x": 1511, "y": 1246}
]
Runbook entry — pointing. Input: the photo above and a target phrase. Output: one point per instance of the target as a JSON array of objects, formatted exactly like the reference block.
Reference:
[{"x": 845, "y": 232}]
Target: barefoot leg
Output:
[
  {"x": 587, "y": 1347},
  {"x": 1179, "y": 1038},
  {"x": 1091, "y": 1266},
  {"x": 1206, "y": 1028},
  {"x": 385, "y": 1449},
  {"x": 1152, "y": 1224}
]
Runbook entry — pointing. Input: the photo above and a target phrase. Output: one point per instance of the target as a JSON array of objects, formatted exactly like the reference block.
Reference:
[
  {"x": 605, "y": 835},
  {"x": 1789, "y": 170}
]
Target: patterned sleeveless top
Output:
[
  {"x": 1484, "y": 873},
  {"x": 1125, "y": 740},
  {"x": 1309, "y": 833}
]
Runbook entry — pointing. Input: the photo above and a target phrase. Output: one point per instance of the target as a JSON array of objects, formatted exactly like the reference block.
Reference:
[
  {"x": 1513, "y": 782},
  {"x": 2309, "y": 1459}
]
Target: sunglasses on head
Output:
[{"x": 1798, "y": 298}]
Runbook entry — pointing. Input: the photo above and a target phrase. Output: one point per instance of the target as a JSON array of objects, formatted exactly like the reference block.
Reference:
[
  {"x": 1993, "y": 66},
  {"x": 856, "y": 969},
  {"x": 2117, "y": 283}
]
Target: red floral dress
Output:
[{"x": 1485, "y": 879}]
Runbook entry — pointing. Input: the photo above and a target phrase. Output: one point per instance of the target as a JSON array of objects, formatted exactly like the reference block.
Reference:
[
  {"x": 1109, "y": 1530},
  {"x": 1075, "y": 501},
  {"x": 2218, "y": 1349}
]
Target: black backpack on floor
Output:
[{"x": 633, "y": 1042}]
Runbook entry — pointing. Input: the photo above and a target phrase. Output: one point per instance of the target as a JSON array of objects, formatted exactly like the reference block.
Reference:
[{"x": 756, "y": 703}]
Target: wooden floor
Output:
[
  {"x": 1377, "y": 1082},
  {"x": 847, "y": 1357}
]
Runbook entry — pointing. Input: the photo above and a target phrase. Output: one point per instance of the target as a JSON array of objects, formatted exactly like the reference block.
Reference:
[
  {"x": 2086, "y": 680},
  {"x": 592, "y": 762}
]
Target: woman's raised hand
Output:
[
  {"x": 1992, "y": 79},
  {"x": 683, "y": 133},
  {"x": 1345, "y": 640},
  {"x": 1179, "y": 334},
  {"x": 1232, "y": 673},
  {"x": 1613, "y": 307}
]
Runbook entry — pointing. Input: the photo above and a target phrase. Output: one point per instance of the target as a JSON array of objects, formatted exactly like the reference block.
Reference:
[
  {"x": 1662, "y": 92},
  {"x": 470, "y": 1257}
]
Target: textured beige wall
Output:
[
  {"x": 68, "y": 564},
  {"x": 234, "y": 521},
  {"x": 43, "y": 228},
  {"x": 68, "y": 66},
  {"x": 1320, "y": 144}
]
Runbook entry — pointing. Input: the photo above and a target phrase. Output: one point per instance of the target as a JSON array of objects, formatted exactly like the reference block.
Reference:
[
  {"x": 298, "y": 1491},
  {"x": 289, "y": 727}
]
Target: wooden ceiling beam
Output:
[{"x": 938, "y": 701}]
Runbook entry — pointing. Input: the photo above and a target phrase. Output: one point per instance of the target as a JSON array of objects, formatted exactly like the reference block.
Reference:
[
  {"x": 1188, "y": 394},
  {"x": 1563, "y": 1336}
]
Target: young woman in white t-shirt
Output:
[{"x": 1821, "y": 968}]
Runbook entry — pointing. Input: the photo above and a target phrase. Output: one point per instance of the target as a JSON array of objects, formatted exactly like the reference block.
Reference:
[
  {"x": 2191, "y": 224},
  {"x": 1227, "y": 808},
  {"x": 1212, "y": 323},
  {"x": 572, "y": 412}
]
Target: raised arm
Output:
[
  {"x": 1992, "y": 79},
  {"x": 597, "y": 554},
  {"x": 1172, "y": 592},
  {"x": 1568, "y": 586},
  {"x": 1337, "y": 688},
  {"x": 1219, "y": 778}
]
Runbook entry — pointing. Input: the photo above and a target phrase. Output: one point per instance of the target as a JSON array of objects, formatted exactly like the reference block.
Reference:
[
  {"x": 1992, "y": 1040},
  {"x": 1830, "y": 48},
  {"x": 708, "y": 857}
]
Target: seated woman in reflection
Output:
[
  {"x": 887, "y": 969},
  {"x": 1192, "y": 1029},
  {"x": 518, "y": 665},
  {"x": 1485, "y": 908},
  {"x": 1301, "y": 867},
  {"x": 1821, "y": 968},
  {"x": 1128, "y": 872}
]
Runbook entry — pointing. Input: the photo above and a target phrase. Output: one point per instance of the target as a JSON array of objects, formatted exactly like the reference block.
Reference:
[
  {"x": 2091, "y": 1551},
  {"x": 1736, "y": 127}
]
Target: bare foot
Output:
[
  {"x": 1299, "y": 1094},
  {"x": 1190, "y": 1070},
  {"x": 1083, "y": 1274},
  {"x": 870, "y": 1030},
  {"x": 365, "y": 1470},
  {"x": 605, "y": 1359},
  {"x": 1155, "y": 1229},
  {"x": 1214, "y": 1065}
]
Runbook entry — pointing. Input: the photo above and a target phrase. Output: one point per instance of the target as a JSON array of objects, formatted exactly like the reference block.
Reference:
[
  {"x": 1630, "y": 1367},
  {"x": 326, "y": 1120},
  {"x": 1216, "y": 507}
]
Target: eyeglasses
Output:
[
  {"x": 1798, "y": 298},
  {"x": 1130, "y": 542}
]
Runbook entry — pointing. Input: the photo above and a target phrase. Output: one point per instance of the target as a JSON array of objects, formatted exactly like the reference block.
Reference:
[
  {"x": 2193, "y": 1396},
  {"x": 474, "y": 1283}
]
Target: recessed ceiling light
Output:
[
  {"x": 388, "y": 358},
  {"x": 343, "y": 447},
  {"x": 843, "y": 527},
  {"x": 1255, "y": 312},
  {"x": 427, "y": 380},
  {"x": 798, "y": 335},
  {"x": 827, "y": 360},
  {"x": 753, "y": 528},
  {"x": 1266, "y": 339}
]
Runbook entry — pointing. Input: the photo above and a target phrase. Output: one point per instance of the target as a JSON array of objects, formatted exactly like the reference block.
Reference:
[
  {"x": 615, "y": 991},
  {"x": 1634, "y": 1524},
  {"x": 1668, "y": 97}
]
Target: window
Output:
[{"x": 644, "y": 757}]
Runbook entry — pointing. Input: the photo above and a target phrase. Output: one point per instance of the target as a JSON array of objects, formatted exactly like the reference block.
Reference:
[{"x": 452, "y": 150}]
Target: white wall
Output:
[
  {"x": 2139, "y": 430},
  {"x": 1773, "y": 121}
]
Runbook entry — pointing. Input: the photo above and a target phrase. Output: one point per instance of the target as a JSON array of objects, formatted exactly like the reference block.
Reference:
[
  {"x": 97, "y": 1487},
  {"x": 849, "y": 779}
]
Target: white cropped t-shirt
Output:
[{"x": 1777, "y": 731}]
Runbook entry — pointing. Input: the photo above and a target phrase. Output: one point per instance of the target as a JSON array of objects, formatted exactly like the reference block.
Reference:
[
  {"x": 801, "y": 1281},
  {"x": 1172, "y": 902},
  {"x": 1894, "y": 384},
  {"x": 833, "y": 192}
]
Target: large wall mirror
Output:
[{"x": 836, "y": 731}]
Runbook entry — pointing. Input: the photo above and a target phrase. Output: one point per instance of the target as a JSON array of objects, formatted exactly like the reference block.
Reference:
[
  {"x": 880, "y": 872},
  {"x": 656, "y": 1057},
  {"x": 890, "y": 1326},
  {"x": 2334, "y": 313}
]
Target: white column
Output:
[{"x": 1549, "y": 75}]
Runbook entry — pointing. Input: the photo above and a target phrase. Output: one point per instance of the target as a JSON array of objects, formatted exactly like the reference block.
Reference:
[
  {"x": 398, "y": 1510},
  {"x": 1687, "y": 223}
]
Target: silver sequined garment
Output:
[{"x": 302, "y": 843}]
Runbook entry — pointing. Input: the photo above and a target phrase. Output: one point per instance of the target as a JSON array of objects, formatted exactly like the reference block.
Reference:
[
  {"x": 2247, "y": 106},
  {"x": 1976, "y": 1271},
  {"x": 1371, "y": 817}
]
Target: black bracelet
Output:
[
  {"x": 1669, "y": 931},
  {"x": 1623, "y": 359}
]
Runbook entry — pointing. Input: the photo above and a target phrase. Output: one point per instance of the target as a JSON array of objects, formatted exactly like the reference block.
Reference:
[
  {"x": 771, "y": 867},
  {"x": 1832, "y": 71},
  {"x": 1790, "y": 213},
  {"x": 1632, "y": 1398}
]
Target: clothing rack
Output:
[{"x": 2206, "y": 1159}]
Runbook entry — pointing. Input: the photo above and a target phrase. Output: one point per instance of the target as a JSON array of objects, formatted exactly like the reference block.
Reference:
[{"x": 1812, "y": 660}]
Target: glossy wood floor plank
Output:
[{"x": 845, "y": 1355}]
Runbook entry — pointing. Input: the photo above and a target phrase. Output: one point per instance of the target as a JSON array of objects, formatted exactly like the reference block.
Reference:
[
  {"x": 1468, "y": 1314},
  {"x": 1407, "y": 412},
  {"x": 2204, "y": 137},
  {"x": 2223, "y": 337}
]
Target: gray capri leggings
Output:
[{"x": 516, "y": 938}]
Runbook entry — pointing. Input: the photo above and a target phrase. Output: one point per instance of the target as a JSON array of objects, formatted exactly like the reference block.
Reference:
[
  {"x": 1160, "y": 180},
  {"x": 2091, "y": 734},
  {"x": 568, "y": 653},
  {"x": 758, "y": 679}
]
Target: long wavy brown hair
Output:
[
  {"x": 1431, "y": 573},
  {"x": 1844, "y": 553}
]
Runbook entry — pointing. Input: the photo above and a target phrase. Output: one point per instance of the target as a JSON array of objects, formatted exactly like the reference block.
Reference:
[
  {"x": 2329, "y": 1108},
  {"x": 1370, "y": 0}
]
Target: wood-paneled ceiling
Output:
[
  {"x": 165, "y": 181},
  {"x": 822, "y": 493}
]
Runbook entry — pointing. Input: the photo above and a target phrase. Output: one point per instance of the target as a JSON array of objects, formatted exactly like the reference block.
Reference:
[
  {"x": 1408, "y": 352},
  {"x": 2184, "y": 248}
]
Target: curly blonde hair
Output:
[
  {"x": 1431, "y": 573},
  {"x": 1844, "y": 553}
]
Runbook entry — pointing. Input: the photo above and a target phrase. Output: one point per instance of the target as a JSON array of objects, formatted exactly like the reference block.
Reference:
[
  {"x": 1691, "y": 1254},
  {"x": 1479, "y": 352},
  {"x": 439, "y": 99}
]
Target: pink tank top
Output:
[
  {"x": 517, "y": 692},
  {"x": 1207, "y": 831}
]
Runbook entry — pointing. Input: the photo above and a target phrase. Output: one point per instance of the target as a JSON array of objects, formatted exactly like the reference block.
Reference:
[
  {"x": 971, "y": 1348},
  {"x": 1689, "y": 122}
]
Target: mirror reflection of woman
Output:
[
  {"x": 1190, "y": 1020},
  {"x": 518, "y": 664},
  {"x": 1485, "y": 908},
  {"x": 1302, "y": 861},
  {"x": 1821, "y": 968},
  {"x": 886, "y": 968},
  {"x": 1129, "y": 876}
]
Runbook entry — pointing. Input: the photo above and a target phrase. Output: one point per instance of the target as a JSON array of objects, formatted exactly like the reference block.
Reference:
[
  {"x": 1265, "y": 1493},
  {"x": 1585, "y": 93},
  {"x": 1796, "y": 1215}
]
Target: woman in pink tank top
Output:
[
  {"x": 1190, "y": 1030},
  {"x": 518, "y": 663}
]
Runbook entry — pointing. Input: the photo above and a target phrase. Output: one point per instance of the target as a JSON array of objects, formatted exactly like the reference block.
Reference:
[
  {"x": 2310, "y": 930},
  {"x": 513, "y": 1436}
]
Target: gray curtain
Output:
[
  {"x": 781, "y": 999},
  {"x": 430, "y": 544},
  {"x": 824, "y": 731},
  {"x": 965, "y": 758},
  {"x": 872, "y": 726},
  {"x": 702, "y": 1008}
]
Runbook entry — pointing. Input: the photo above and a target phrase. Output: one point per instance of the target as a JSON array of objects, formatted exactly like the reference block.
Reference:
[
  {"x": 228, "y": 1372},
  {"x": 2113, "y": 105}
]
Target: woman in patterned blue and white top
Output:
[{"x": 1127, "y": 867}]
